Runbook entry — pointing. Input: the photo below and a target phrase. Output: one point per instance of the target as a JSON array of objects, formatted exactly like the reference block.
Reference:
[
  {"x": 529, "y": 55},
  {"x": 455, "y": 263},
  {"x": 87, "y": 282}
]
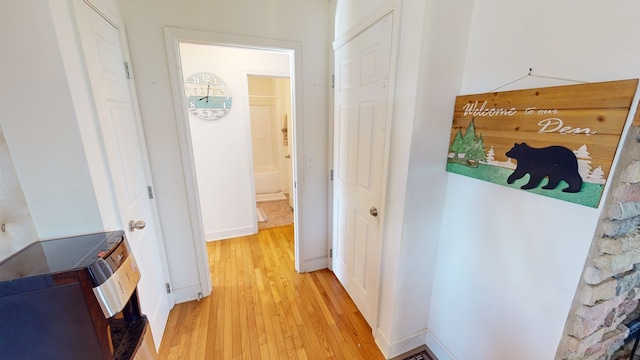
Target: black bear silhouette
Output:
[{"x": 555, "y": 162}]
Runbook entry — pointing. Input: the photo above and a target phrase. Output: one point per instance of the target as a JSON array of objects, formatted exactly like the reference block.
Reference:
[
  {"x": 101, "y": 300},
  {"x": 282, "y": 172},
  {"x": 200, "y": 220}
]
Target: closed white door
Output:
[
  {"x": 266, "y": 151},
  {"x": 124, "y": 145},
  {"x": 361, "y": 113}
]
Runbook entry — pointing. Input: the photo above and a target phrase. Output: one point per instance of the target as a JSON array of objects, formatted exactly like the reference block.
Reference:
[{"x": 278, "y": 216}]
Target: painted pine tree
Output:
[{"x": 467, "y": 149}]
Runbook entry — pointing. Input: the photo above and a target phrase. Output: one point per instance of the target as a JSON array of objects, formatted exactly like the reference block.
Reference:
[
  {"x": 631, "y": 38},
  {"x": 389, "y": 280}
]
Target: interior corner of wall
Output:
[
  {"x": 383, "y": 342},
  {"x": 437, "y": 347},
  {"x": 393, "y": 348}
]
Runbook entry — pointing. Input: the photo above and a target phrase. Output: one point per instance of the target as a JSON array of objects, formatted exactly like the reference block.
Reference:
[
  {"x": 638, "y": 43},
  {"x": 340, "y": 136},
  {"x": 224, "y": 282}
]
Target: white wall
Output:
[
  {"x": 305, "y": 22},
  {"x": 509, "y": 261},
  {"x": 222, "y": 148},
  {"x": 38, "y": 117},
  {"x": 352, "y": 14},
  {"x": 445, "y": 29}
]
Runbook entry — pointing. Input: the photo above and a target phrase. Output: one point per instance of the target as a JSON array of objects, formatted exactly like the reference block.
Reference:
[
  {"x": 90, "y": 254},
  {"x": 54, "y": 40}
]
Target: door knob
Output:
[
  {"x": 373, "y": 211},
  {"x": 133, "y": 225}
]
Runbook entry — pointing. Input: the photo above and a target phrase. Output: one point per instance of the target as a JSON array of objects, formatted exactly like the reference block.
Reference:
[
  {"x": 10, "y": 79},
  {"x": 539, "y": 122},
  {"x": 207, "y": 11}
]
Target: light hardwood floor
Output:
[{"x": 261, "y": 308}]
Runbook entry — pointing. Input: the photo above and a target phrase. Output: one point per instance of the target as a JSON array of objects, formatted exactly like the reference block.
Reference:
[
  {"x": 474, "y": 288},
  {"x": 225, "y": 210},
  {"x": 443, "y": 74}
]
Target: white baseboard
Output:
[
  {"x": 230, "y": 233},
  {"x": 383, "y": 343},
  {"x": 392, "y": 349},
  {"x": 437, "y": 348}
]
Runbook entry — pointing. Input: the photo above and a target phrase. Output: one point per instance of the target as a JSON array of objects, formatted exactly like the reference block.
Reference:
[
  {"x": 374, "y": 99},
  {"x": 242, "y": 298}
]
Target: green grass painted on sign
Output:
[{"x": 588, "y": 196}]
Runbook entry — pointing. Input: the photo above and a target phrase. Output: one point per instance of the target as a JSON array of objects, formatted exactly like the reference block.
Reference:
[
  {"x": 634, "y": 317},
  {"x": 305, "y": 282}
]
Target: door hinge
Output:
[
  {"x": 126, "y": 70},
  {"x": 333, "y": 81},
  {"x": 331, "y": 177},
  {"x": 168, "y": 286},
  {"x": 330, "y": 253},
  {"x": 150, "y": 192}
]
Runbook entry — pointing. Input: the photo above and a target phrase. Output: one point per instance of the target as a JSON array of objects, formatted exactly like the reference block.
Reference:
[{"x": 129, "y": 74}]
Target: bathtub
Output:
[{"x": 267, "y": 180}]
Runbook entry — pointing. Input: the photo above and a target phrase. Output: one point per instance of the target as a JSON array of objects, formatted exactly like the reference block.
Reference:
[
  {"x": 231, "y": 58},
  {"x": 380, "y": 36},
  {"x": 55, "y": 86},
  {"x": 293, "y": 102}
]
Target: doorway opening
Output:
[
  {"x": 270, "y": 114},
  {"x": 217, "y": 149}
]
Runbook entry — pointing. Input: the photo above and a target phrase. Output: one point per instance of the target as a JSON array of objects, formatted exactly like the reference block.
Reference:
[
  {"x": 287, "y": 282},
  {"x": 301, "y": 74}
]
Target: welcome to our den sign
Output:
[{"x": 556, "y": 141}]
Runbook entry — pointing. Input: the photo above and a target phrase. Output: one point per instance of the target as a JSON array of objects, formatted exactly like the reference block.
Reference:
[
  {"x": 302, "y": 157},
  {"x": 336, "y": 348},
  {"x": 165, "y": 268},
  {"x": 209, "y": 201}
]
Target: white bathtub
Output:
[{"x": 267, "y": 181}]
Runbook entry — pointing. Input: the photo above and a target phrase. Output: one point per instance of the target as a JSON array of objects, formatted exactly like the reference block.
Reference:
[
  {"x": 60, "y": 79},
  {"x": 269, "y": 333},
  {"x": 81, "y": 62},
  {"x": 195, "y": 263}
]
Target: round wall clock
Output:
[{"x": 207, "y": 96}]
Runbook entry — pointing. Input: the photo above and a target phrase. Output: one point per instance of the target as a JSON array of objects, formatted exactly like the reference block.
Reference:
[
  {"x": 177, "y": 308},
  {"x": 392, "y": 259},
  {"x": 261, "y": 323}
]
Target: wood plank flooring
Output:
[{"x": 261, "y": 308}]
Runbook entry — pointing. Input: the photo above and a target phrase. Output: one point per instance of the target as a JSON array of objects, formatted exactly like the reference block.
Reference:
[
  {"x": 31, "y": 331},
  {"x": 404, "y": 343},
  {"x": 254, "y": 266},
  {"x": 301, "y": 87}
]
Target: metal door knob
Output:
[
  {"x": 373, "y": 211},
  {"x": 133, "y": 225}
]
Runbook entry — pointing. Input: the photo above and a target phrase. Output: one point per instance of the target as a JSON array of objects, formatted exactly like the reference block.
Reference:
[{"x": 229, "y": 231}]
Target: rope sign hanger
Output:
[{"x": 530, "y": 74}]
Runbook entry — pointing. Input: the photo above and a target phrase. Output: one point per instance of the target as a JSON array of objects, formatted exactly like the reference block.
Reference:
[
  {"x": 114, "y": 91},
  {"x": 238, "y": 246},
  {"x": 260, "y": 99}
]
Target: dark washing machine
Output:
[{"x": 73, "y": 298}]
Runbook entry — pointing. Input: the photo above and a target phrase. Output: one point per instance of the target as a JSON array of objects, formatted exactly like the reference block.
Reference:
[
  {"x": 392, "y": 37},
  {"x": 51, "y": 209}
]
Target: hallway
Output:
[{"x": 261, "y": 308}]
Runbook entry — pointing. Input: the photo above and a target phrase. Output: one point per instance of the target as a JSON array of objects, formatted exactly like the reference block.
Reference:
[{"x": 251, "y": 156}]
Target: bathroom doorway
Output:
[
  {"x": 217, "y": 149},
  {"x": 270, "y": 113}
]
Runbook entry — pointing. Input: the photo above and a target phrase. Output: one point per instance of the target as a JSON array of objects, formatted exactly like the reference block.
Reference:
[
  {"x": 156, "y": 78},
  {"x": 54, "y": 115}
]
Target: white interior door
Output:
[
  {"x": 266, "y": 151},
  {"x": 361, "y": 103},
  {"x": 121, "y": 130}
]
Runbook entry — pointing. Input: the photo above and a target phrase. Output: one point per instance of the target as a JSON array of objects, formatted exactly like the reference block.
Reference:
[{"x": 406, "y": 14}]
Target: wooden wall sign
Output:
[{"x": 556, "y": 141}]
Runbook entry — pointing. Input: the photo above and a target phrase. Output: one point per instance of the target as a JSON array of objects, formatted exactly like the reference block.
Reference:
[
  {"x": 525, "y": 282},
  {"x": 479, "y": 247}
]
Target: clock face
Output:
[{"x": 207, "y": 96}]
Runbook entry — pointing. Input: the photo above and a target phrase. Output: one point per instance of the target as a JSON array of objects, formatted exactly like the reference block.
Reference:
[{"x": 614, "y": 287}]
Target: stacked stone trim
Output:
[{"x": 609, "y": 292}]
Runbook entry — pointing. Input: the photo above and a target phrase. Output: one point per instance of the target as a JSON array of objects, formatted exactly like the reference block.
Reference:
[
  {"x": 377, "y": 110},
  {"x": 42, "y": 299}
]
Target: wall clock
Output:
[{"x": 207, "y": 96}]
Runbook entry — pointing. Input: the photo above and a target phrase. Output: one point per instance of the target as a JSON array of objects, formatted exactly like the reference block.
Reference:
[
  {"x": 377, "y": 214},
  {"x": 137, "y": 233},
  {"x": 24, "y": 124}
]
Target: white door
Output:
[
  {"x": 266, "y": 151},
  {"x": 121, "y": 130},
  {"x": 361, "y": 104}
]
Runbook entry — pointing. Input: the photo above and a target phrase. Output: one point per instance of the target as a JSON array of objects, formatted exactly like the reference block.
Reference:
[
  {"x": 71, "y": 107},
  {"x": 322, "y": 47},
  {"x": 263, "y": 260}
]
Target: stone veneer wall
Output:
[{"x": 610, "y": 286}]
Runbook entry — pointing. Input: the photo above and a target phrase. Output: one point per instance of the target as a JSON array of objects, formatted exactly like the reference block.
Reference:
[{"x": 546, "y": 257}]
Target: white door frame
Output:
[{"x": 173, "y": 36}]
